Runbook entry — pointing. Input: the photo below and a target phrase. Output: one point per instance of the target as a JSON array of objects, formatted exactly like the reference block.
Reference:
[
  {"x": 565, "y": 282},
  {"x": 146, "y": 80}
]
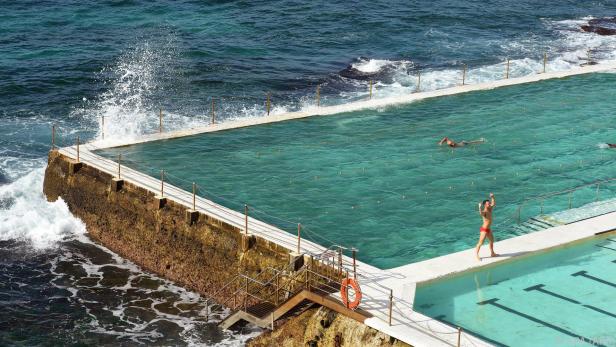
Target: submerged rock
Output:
[{"x": 601, "y": 26}]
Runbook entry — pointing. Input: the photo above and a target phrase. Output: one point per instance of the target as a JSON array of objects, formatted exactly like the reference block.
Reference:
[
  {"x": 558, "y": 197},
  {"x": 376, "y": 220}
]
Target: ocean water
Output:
[
  {"x": 70, "y": 63},
  {"x": 560, "y": 298}
]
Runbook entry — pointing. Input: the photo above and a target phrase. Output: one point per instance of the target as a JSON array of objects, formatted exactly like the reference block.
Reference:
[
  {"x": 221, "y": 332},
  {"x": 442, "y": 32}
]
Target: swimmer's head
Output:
[{"x": 485, "y": 204}]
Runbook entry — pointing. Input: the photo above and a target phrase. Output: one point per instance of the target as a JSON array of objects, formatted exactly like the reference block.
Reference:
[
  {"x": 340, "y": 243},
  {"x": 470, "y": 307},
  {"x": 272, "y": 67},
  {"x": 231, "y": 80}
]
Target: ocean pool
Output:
[{"x": 378, "y": 181}]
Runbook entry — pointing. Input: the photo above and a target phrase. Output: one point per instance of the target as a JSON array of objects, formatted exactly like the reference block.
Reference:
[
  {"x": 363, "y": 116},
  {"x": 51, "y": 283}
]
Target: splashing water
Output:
[{"x": 26, "y": 215}]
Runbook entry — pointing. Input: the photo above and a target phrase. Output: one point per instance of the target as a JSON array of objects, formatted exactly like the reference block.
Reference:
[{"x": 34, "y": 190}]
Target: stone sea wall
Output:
[{"x": 201, "y": 256}]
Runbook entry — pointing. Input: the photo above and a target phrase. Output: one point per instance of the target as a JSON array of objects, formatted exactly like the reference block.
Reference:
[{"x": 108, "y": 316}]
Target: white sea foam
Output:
[
  {"x": 130, "y": 111},
  {"x": 569, "y": 50},
  {"x": 25, "y": 214},
  {"x": 376, "y": 65}
]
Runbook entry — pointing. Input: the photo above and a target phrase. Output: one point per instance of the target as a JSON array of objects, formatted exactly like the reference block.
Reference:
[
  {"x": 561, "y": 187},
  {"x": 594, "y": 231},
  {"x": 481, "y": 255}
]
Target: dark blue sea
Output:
[{"x": 71, "y": 63}]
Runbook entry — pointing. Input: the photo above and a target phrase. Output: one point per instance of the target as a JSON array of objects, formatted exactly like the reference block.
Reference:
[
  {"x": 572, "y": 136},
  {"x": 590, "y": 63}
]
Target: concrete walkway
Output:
[{"x": 359, "y": 105}]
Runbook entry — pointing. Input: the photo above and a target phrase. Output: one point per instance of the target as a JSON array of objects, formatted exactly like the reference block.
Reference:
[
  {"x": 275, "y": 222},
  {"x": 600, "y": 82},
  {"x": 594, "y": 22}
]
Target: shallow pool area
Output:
[
  {"x": 378, "y": 181},
  {"x": 564, "y": 297}
]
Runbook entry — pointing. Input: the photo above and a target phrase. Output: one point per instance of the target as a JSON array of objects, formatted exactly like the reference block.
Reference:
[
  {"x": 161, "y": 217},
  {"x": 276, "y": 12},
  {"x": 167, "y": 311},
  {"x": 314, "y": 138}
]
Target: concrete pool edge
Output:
[
  {"x": 355, "y": 106},
  {"x": 459, "y": 263}
]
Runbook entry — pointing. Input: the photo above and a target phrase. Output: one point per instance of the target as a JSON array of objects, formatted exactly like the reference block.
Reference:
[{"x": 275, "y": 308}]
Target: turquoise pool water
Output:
[
  {"x": 378, "y": 181},
  {"x": 561, "y": 298}
]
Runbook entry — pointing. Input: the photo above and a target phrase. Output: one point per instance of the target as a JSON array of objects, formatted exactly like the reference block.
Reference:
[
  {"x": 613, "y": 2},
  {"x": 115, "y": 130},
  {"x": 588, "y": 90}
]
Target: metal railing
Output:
[
  {"x": 274, "y": 286},
  {"x": 592, "y": 194}
]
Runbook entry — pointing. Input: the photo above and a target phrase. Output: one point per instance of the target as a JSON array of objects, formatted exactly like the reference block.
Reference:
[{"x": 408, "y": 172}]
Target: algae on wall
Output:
[
  {"x": 203, "y": 256},
  {"x": 323, "y": 327}
]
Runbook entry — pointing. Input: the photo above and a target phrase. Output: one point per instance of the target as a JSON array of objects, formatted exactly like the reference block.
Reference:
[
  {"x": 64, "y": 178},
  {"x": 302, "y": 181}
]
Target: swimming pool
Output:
[
  {"x": 378, "y": 181},
  {"x": 563, "y": 297}
]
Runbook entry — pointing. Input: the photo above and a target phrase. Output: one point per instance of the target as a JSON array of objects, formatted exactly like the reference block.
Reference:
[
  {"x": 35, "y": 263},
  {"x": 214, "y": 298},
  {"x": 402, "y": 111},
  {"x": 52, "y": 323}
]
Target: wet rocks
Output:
[{"x": 601, "y": 26}]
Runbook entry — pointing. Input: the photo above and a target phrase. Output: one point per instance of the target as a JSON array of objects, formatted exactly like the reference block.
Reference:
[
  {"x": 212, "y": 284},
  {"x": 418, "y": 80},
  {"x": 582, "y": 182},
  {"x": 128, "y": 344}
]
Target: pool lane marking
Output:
[
  {"x": 585, "y": 274},
  {"x": 600, "y": 311},
  {"x": 493, "y": 302},
  {"x": 613, "y": 249},
  {"x": 539, "y": 288}
]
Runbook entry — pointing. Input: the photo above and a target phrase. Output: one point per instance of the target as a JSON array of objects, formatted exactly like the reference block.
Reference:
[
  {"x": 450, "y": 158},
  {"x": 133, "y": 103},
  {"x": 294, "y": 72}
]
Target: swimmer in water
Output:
[
  {"x": 453, "y": 144},
  {"x": 611, "y": 145}
]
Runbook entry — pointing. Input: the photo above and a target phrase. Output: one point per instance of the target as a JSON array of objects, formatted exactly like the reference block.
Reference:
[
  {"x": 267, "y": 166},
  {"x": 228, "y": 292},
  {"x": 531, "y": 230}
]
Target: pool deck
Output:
[
  {"x": 374, "y": 103},
  {"x": 407, "y": 325}
]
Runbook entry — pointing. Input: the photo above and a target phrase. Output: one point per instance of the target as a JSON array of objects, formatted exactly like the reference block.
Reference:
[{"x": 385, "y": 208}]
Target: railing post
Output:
[
  {"x": 246, "y": 219},
  {"x": 306, "y": 278},
  {"x": 245, "y": 293},
  {"x": 103, "y": 126},
  {"x": 545, "y": 59},
  {"x": 272, "y": 318},
  {"x": 160, "y": 121},
  {"x": 354, "y": 264},
  {"x": 589, "y": 61},
  {"x": 311, "y": 267},
  {"x": 53, "y": 137},
  {"x": 459, "y": 336},
  {"x": 318, "y": 96},
  {"x": 299, "y": 238},
  {"x": 391, "y": 304},
  {"x": 463, "y": 74},
  {"x": 237, "y": 287},
  {"x": 194, "y": 197},
  {"x": 268, "y": 103},
  {"x": 277, "y": 287},
  {"x": 119, "y": 160},
  {"x": 418, "y": 81},
  {"x": 339, "y": 261},
  {"x": 78, "y": 148},
  {"x": 213, "y": 113},
  {"x": 370, "y": 89},
  {"x": 162, "y": 182},
  {"x": 348, "y": 299},
  {"x": 507, "y": 72}
]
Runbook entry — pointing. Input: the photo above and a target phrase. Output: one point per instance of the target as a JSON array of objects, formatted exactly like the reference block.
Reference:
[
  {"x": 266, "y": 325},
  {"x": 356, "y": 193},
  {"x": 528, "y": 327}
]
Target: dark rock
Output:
[
  {"x": 3, "y": 179},
  {"x": 601, "y": 26}
]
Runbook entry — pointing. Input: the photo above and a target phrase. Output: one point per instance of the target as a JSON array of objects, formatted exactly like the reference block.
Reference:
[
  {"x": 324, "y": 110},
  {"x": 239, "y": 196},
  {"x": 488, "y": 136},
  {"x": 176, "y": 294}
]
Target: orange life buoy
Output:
[{"x": 345, "y": 295}]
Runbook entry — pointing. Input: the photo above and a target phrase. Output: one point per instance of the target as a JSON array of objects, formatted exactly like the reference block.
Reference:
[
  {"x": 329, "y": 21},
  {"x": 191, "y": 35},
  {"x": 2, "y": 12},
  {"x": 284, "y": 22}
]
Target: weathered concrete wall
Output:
[
  {"x": 323, "y": 328},
  {"x": 202, "y": 257}
]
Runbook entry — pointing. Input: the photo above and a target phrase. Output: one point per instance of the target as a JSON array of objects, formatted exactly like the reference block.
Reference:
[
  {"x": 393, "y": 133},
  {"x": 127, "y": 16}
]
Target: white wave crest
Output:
[
  {"x": 373, "y": 65},
  {"x": 571, "y": 48},
  {"x": 25, "y": 214}
]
